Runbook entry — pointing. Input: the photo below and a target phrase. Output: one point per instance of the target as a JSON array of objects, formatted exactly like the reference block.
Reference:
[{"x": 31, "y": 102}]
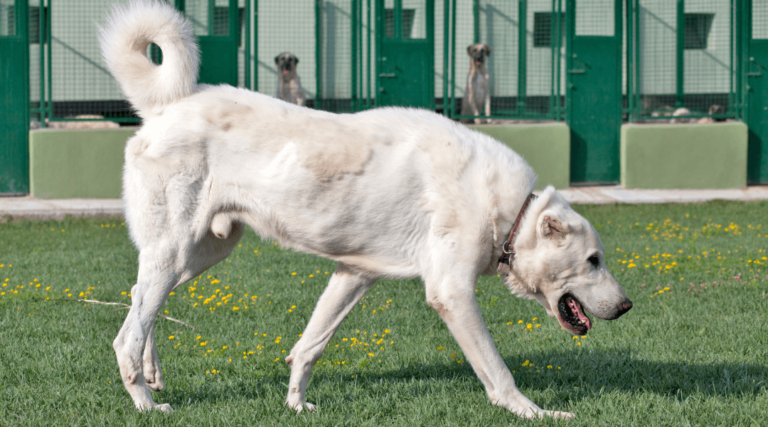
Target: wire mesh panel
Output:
[
  {"x": 707, "y": 57},
  {"x": 684, "y": 56},
  {"x": 287, "y": 27},
  {"x": 335, "y": 71},
  {"x": 545, "y": 47},
  {"x": 759, "y": 19},
  {"x": 81, "y": 85},
  {"x": 38, "y": 43},
  {"x": 499, "y": 29},
  {"x": 7, "y": 18},
  {"x": 527, "y": 42}
]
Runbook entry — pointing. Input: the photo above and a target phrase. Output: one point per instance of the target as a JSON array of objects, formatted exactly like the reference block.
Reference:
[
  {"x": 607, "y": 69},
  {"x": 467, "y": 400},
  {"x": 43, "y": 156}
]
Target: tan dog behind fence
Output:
[
  {"x": 288, "y": 83},
  {"x": 477, "y": 92}
]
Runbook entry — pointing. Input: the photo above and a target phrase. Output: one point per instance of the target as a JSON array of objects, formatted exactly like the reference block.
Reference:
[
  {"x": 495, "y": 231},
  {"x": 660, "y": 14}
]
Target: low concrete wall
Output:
[
  {"x": 66, "y": 164},
  {"x": 682, "y": 156},
  {"x": 546, "y": 147}
]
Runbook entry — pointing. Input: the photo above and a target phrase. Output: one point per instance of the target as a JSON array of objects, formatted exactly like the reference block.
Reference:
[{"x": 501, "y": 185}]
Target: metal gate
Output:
[
  {"x": 594, "y": 70},
  {"x": 756, "y": 73},
  {"x": 217, "y": 25},
  {"x": 405, "y": 59},
  {"x": 14, "y": 97}
]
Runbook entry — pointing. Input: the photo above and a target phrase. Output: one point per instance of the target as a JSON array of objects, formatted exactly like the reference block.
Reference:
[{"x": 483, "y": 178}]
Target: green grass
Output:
[{"x": 679, "y": 357}]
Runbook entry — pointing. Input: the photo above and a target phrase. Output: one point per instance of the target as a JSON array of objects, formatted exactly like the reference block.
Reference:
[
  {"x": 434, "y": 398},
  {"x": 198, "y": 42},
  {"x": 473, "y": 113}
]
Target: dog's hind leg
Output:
[
  {"x": 162, "y": 268},
  {"x": 344, "y": 290}
]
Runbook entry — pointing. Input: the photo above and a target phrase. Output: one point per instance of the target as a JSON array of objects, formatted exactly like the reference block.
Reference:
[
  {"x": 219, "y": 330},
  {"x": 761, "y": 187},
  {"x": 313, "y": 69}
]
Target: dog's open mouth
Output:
[{"x": 572, "y": 316}]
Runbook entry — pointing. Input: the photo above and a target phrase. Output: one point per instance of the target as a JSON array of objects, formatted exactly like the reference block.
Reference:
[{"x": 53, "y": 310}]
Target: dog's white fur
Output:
[{"x": 387, "y": 193}]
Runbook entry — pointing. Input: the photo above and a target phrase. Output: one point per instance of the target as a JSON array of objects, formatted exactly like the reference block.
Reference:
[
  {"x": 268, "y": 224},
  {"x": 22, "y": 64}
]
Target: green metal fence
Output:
[
  {"x": 684, "y": 59},
  {"x": 680, "y": 56}
]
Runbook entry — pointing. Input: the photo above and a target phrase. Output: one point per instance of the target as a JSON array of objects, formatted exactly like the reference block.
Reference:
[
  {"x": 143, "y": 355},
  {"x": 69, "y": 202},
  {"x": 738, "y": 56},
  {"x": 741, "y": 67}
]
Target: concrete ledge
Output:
[
  {"x": 678, "y": 156},
  {"x": 66, "y": 164},
  {"x": 546, "y": 147}
]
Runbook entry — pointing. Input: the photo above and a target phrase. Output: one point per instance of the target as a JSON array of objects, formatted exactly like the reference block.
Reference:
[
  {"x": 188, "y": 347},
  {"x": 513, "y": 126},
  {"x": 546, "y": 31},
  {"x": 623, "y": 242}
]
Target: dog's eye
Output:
[{"x": 594, "y": 260}]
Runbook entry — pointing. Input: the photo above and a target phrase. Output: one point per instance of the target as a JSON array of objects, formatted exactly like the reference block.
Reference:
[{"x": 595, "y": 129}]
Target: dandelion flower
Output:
[
  {"x": 441, "y": 348},
  {"x": 171, "y": 337}
]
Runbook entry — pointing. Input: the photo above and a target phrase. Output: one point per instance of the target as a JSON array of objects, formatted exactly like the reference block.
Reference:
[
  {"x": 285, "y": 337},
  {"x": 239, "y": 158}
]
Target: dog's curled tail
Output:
[{"x": 124, "y": 39}]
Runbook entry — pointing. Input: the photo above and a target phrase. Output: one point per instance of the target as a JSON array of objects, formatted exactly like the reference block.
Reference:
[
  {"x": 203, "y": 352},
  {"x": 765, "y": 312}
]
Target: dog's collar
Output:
[{"x": 508, "y": 248}]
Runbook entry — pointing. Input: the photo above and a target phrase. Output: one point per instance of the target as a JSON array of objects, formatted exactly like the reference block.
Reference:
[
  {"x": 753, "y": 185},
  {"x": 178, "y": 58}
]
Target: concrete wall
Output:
[
  {"x": 546, "y": 147},
  {"x": 67, "y": 164},
  {"x": 684, "y": 156}
]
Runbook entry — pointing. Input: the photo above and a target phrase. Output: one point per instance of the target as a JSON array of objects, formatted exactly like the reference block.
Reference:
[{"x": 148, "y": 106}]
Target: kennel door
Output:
[
  {"x": 14, "y": 97},
  {"x": 405, "y": 54},
  {"x": 593, "y": 57},
  {"x": 216, "y": 23},
  {"x": 756, "y": 71}
]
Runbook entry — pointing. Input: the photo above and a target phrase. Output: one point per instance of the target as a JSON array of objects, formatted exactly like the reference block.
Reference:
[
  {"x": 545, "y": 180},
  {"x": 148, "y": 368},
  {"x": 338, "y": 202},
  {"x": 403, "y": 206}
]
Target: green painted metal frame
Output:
[
  {"x": 522, "y": 55},
  {"x": 318, "y": 54},
  {"x": 680, "y": 56},
  {"x": 19, "y": 159},
  {"x": 398, "y": 31}
]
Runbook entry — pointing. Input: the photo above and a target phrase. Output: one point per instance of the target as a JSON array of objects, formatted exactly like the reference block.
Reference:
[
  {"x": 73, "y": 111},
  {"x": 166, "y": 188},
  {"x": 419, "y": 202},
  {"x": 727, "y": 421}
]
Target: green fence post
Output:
[
  {"x": 256, "y": 45},
  {"x": 453, "y": 59},
  {"x": 558, "y": 64},
  {"x": 630, "y": 62},
  {"x": 522, "y": 55},
  {"x": 379, "y": 16},
  {"x": 49, "y": 74},
  {"x": 446, "y": 36},
  {"x": 318, "y": 54},
  {"x": 368, "y": 56},
  {"x": 247, "y": 35},
  {"x": 41, "y": 108},
  {"x": 552, "y": 37},
  {"x": 353, "y": 49},
  {"x": 680, "y": 58},
  {"x": 476, "y": 20}
]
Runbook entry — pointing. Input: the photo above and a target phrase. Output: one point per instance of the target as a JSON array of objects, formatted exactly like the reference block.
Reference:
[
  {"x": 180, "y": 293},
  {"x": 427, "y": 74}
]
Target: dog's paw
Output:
[
  {"x": 541, "y": 414},
  {"x": 164, "y": 408},
  {"x": 298, "y": 404}
]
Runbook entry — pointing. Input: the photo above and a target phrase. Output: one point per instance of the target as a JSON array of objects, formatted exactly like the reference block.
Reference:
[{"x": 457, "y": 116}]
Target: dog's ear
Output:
[
  {"x": 469, "y": 50},
  {"x": 552, "y": 228},
  {"x": 488, "y": 50},
  {"x": 277, "y": 59},
  {"x": 295, "y": 60}
]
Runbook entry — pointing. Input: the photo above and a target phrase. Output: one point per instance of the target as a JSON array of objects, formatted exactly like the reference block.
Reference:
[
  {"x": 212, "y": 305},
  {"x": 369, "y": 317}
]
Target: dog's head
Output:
[
  {"x": 286, "y": 64},
  {"x": 560, "y": 262},
  {"x": 478, "y": 52}
]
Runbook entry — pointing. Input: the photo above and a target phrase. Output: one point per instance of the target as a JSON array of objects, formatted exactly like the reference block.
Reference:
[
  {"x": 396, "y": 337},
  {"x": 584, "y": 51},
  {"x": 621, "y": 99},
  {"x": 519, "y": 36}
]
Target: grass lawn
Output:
[{"x": 692, "y": 351}]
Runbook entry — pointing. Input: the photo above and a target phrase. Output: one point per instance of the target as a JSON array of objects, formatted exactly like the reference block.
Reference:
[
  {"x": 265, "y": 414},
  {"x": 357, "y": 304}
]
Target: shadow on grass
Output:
[{"x": 583, "y": 375}]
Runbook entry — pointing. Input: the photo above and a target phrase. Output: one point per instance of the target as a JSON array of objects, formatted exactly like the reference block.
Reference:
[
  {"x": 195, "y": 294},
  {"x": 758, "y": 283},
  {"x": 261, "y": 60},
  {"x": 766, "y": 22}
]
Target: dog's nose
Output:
[{"x": 625, "y": 307}]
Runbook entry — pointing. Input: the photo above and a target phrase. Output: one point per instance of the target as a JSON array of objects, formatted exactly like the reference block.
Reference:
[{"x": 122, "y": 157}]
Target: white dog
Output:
[{"x": 387, "y": 193}]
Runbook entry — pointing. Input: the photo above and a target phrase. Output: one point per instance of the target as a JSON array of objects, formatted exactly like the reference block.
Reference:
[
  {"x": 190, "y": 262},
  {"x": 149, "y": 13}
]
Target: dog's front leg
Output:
[
  {"x": 455, "y": 301},
  {"x": 344, "y": 290}
]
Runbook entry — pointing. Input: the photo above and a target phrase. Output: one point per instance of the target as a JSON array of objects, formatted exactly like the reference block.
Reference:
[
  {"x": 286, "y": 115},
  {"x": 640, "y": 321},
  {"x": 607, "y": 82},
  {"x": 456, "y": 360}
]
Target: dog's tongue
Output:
[
  {"x": 286, "y": 72},
  {"x": 576, "y": 308}
]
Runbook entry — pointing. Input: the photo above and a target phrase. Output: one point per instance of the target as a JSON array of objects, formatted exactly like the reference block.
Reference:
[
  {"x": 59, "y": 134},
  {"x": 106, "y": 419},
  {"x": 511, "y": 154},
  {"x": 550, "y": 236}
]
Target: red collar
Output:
[{"x": 508, "y": 247}]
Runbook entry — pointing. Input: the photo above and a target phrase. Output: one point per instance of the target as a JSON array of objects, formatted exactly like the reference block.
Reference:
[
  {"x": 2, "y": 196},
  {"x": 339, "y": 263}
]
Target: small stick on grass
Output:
[{"x": 93, "y": 301}]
